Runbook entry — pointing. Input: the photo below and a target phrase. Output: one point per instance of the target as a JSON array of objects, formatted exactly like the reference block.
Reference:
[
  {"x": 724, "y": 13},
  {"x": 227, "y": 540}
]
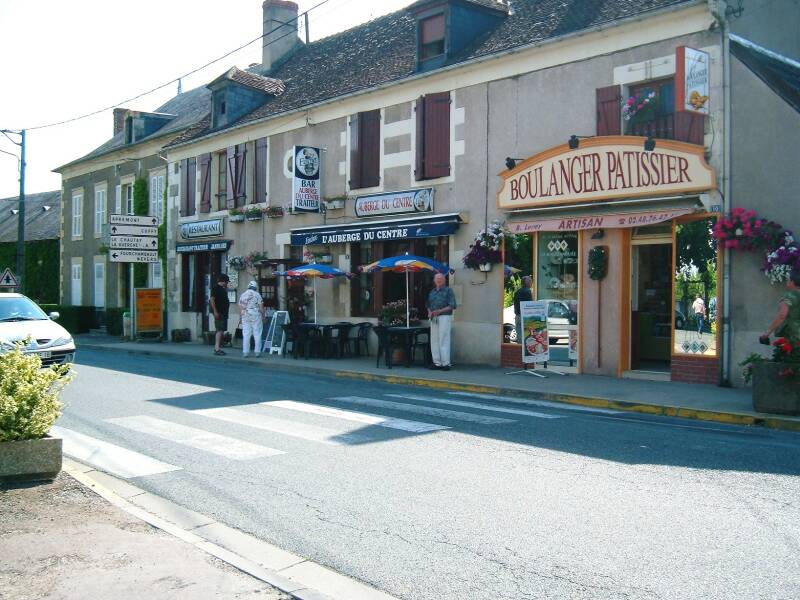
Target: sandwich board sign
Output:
[
  {"x": 149, "y": 315},
  {"x": 276, "y": 336},
  {"x": 8, "y": 279}
]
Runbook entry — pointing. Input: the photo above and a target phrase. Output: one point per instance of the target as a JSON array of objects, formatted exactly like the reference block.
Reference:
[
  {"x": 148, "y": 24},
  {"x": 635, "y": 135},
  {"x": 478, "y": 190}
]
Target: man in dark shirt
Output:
[
  {"x": 523, "y": 294},
  {"x": 219, "y": 307}
]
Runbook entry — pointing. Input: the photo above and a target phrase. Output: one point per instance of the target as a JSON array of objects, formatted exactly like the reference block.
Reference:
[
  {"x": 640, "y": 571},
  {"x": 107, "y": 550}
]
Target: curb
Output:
[
  {"x": 299, "y": 578},
  {"x": 726, "y": 417}
]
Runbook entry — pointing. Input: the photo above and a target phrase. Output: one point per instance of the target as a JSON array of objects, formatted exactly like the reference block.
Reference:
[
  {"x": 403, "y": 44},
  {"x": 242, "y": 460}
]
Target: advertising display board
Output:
[
  {"x": 306, "y": 180},
  {"x": 149, "y": 315},
  {"x": 535, "y": 342},
  {"x": 692, "y": 87}
]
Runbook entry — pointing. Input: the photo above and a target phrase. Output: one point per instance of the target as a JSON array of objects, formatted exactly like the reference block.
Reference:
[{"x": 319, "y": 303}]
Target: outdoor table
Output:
[
  {"x": 408, "y": 334},
  {"x": 325, "y": 338}
]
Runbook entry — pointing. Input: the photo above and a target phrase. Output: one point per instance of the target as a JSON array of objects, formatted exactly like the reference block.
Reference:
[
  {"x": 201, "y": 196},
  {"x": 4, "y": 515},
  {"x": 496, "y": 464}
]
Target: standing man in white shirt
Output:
[{"x": 251, "y": 306}]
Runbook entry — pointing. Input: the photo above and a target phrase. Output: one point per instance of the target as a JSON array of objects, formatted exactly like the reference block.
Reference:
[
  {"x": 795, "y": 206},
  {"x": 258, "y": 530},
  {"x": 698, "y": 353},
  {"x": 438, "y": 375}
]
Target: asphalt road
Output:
[{"x": 452, "y": 496}]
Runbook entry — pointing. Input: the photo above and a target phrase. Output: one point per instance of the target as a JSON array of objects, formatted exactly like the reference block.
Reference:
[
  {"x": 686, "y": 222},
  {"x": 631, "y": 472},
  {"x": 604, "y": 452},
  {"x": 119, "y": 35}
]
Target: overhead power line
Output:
[{"x": 192, "y": 72}]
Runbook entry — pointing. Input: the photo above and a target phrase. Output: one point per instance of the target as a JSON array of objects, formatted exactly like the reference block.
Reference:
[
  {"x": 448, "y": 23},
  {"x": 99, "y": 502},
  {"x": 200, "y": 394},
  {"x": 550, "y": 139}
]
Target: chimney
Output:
[
  {"x": 280, "y": 31},
  {"x": 119, "y": 119}
]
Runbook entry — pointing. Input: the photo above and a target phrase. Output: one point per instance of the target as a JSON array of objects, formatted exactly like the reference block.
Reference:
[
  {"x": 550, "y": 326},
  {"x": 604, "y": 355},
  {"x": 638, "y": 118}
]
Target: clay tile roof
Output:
[{"x": 255, "y": 81}]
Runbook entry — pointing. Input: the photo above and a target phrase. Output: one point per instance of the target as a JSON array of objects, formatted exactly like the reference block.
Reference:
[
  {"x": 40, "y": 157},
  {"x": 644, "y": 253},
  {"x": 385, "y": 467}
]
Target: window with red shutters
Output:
[
  {"x": 609, "y": 107},
  {"x": 191, "y": 185},
  {"x": 690, "y": 127},
  {"x": 184, "y": 195},
  {"x": 260, "y": 187},
  {"x": 433, "y": 136},
  {"x": 205, "y": 182},
  {"x": 236, "y": 176},
  {"x": 365, "y": 140}
]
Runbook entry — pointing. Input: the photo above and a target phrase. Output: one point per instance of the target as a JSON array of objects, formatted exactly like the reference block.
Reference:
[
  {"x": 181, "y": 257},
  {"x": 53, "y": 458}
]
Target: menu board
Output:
[
  {"x": 276, "y": 335},
  {"x": 535, "y": 342}
]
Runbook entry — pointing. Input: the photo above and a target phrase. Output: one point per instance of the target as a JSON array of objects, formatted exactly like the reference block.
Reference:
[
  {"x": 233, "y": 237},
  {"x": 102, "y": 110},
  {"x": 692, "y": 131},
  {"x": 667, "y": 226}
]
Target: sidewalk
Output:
[
  {"x": 61, "y": 540},
  {"x": 673, "y": 399}
]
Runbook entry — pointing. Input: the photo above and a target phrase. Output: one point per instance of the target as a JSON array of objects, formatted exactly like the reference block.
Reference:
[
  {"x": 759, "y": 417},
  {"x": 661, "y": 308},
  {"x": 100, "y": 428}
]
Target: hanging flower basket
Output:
[{"x": 485, "y": 249}]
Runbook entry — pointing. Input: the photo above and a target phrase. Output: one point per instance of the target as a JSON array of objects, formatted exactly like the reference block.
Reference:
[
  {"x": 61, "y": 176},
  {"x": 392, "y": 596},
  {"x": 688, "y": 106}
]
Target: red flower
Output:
[{"x": 786, "y": 348}]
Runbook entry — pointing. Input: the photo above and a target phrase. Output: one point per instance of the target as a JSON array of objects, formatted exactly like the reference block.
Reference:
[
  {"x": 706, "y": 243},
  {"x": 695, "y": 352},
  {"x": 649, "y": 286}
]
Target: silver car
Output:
[{"x": 22, "y": 319}]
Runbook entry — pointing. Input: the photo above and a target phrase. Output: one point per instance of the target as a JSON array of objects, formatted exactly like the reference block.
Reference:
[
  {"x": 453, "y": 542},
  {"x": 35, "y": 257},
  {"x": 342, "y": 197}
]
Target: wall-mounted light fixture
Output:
[
  {"x": 649, "y": 144},
  {"x": 511, "y": 162},
  {"x": 598, "y": 235},
  {"x": 575, "y": 140}
]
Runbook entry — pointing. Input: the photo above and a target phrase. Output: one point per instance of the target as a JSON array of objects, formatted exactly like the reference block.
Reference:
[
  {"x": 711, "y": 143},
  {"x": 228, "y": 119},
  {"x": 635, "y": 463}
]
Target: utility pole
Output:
[{"x": 21, "y": 218}]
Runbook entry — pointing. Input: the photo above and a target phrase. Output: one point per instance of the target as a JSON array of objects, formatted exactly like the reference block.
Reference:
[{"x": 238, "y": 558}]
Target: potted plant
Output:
[
  {"x": 393, "y": 314},
  {"x": 236, "y": 215},
  {"x": 236, "y": 263},
  {"x": 776, "y": 382},
  {"x": 253, "y": 213},
  {"x": 640, "y": 107},
  {"x": 485, "y": 248},
  {"x": 274, "y": 212},
  {"x": 29, "y": 406}
]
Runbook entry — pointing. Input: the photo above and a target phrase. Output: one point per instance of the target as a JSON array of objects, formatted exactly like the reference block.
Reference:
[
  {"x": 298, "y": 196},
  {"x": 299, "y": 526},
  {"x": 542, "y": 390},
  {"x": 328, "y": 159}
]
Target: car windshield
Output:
[{"x": 20, "y": 309}]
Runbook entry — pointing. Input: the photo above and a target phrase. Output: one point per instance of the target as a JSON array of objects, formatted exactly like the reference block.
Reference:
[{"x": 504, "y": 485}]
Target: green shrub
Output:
[
  {"x": 29, "y": 403},
  {"x": 114, "y": 320}
]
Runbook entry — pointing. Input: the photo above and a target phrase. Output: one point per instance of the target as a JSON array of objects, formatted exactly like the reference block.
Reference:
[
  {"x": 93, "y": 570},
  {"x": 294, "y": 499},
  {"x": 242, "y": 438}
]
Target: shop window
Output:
[
  {"x": 365, "y": 138},
  {"x": 433, "y": 136},
  {"x": 696, "y": 314},
  {"x": 557, "y": 266}
]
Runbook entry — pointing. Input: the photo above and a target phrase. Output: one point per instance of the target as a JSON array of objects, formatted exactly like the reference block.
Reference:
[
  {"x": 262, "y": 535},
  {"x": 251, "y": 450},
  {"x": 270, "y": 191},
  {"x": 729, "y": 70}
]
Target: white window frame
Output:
[
  {"x": 100, "y": 209},
  {"x": 99, "y": 292},
  {"x": 157, "y": 196},
  {"x": 127, "y": 191},
  {"x": 77, "y": 216},
  {"x": 118, "y": 200},
  {"x": 76, "y": 281}
]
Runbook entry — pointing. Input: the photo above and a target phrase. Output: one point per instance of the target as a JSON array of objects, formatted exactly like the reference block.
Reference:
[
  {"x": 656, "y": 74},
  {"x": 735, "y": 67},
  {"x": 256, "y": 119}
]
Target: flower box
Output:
[
  {"x": 334, "y": 204},
  {"x": 773, "y": 393},
  {"x": 30, "y": 460},
  {"x": 237, "y": 218},
  {"x": 253, "y": 216},
  {"x": 274, "y": 212}
]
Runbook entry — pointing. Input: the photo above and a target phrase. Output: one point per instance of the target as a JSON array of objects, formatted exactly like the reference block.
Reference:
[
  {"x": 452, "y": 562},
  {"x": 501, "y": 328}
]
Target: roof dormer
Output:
[
  {"x": 236, "y": 93},
  {"x": 446, "y": 27},
  {"x": 137, "y": 125}
]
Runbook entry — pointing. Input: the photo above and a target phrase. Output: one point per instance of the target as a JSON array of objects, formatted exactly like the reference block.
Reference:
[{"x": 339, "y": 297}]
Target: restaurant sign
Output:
[
  {"x": 201, "y": 229},
  {"x": 306, "y": 179},
  {"x": 691, "y": 80},
  {"x": 395, "y": 203},
  {"x": 603, "y": 168}
]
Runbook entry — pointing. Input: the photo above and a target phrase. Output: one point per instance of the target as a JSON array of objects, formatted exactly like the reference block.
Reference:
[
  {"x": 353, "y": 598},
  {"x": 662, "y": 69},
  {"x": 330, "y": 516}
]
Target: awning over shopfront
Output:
[
  {"x": 215, "y": 246},
  {"x": 596, "y": 221},
  {"x": 377, "y": 231}
]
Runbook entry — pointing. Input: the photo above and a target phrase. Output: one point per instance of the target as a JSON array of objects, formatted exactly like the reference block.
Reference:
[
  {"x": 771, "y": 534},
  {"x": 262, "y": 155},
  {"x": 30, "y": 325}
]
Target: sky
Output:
[{"x": 60, "y": 60}]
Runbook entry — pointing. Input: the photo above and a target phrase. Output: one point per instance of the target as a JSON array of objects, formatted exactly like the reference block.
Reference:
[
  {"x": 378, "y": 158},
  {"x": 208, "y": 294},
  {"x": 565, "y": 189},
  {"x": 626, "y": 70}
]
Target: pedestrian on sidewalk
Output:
[
  {"x": 251, "y": 306},
  {"x": 699, "y": 308},
  {"x": 787, "y": 322},
  {"x": 523, "y": 294},
  {"x": 220, "y": 306},
  {"x": 441, "y": 304}
]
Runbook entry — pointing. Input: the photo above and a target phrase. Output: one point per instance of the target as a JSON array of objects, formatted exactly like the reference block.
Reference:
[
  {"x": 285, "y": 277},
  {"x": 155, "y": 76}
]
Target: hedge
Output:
[
  {"x": 41, "y": 267},
  {"x": 75, "y": 319}
]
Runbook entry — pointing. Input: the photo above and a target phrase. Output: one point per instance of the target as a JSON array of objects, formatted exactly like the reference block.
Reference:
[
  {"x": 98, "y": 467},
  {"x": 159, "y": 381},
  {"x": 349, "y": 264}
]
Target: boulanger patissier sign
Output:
[
  {"x": 605, "y": 167},
  {"x": 395, "y": 203}
]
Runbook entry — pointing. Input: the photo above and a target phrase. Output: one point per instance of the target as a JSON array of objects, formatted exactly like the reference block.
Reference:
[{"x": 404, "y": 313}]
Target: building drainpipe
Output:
[{"x": 719, "y": 14}]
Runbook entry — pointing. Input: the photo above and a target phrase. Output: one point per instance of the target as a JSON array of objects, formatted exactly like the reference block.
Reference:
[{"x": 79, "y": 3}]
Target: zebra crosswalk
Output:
[{"x": 344, "y": 424}]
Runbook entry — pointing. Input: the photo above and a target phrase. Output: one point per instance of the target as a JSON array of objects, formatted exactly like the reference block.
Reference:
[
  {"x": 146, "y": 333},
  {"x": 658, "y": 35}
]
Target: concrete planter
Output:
[
  {"x": 30, "y": 460},
  {"x": 773, "y": 393}
]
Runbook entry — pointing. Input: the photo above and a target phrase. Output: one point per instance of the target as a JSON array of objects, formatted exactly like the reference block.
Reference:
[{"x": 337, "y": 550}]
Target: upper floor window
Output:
[
  {"x": 77, "y": 216},
  {"x": 127, "y": 197},
  {"x": 99, "y": 211},
  {"x": 188, "y": 186},
  {"x": 649, "y": 109},
  {"x": 431, "y": 37},
  {"x": 365, "y": 145},
  {"x": 222, "y": 181},
  {"x": 157, "y": 196},
  {"x": 433, "y": 136}
]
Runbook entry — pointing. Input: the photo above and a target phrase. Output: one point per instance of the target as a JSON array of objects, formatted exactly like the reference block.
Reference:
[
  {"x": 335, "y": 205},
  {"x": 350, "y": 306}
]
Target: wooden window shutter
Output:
[
  {"x": 419, "y": 162},
  {"x": 241, "y": 174},
  {"x": 370, "y": 134},
  {"x": 230, "y": 172},
  {"x": 191, "y": 185},
  {"x": 205, "y": 182},
  {"x": 184, "y": 188},
  {"x": 260, "y": 187},
  {"x": 437, "y": 135},
  {"x": 609, "y": 110},
  {"x": 690, "y": 127},
  {"x": 355, "y": 152}
]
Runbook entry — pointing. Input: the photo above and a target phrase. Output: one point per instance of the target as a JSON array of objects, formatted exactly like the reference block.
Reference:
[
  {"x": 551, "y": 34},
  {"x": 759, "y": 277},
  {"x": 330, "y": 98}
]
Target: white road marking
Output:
[
  {"x": 501, "y": 409},
  {"x": 281, "y": 426},
  {"x": 542, "y": 403},
  {"x": 109, "y": 457},
  {"x": 220, "y": 445},
  {"x": 424, "y": 410},
  {"x": 359, "y": 417}
]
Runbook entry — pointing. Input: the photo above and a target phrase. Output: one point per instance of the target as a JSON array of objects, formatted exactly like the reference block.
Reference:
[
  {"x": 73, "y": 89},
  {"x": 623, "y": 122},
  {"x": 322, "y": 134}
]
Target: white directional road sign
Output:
[
  {"x": 132, "y": 230},
  {"x": 133, "y": 256},
  {"x": 133, "y": 242},
  {"x": 133, "y": 220}
]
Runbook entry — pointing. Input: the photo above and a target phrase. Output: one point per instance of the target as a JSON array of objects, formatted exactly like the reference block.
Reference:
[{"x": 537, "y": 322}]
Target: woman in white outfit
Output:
[{"x": 252, "y": 310}]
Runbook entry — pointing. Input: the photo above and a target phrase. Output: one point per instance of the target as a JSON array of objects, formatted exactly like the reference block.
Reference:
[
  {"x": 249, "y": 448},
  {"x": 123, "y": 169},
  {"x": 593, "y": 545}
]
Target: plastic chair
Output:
[
  {"x": 386, "y": 344},
  {"x": 422, "y": 342},
  {"x": 361, "y": 337},
  {"x": 342, "y": 338}
]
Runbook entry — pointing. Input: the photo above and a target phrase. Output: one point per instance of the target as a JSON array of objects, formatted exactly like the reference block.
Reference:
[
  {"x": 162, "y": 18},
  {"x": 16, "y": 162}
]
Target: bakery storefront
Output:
[
  {"x": 350, "y": 245},
  {"x": 617, "y": 236}
]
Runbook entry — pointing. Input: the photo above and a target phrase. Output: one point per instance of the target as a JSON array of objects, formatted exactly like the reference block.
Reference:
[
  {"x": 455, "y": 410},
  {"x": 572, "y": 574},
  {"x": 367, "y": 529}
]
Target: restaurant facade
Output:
[{"x": 609, "y": 208}]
